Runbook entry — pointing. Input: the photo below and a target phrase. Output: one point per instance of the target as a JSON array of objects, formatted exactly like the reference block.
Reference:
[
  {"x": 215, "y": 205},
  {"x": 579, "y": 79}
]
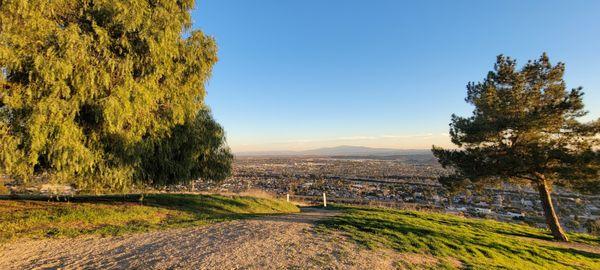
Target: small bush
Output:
[{"x": 593, "y": 227}]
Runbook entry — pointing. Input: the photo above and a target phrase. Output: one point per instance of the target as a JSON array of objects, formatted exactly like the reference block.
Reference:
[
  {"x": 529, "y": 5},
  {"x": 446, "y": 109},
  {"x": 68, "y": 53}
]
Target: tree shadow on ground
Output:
[{"x": 201, "y": 207}]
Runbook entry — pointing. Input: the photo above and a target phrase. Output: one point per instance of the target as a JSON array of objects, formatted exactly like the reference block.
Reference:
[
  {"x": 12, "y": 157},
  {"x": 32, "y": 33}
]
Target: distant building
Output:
[
  {"x": 482, "y": 210},
  {"x": 527, "y": 203}
]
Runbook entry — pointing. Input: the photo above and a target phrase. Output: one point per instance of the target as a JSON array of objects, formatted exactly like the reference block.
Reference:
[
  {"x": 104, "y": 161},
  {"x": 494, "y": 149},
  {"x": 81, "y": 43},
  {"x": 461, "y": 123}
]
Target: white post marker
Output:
[
  {"x": 288, "y": 197},
  {"x": 324, "y": 200}
]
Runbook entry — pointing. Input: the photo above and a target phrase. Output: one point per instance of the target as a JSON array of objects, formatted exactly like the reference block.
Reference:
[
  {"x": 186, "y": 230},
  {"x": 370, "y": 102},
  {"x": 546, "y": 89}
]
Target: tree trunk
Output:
[{"x": 549, "y": 213}]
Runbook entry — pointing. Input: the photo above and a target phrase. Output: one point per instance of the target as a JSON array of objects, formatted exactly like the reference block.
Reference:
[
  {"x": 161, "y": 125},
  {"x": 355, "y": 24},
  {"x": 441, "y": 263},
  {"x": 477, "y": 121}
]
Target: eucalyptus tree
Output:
[{"x": 525, "y": 129}]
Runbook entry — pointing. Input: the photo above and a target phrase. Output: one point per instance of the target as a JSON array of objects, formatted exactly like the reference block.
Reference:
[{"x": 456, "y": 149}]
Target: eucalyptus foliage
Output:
[
  {"x": 525, "y": 129},
  {"x": 92, "y": 91}
]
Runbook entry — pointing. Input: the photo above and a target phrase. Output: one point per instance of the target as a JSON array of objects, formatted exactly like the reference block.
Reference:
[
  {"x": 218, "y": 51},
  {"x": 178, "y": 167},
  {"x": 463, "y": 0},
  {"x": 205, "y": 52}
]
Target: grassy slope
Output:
[
  {"x": 113, "y": 215},
  {"x": 477, "y": 244}
]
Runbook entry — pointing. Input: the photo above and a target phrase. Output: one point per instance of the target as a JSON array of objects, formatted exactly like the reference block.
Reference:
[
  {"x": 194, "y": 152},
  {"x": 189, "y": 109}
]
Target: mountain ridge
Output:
[{"x": 341, "y": 150}]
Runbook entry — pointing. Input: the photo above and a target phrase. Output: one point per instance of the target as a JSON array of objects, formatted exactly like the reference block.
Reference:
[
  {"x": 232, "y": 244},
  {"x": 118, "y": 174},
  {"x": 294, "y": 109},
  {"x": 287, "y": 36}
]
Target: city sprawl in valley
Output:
[{"x": 403, "y": 181}]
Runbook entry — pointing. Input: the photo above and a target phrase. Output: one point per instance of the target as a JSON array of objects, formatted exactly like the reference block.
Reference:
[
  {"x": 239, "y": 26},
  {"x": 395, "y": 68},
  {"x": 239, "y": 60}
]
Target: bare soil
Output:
[{"x": 270, "y": 242}]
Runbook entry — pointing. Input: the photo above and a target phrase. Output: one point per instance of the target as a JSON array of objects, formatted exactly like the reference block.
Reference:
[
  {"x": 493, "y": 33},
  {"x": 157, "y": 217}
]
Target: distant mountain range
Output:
[{"x": 343, "y": 150}]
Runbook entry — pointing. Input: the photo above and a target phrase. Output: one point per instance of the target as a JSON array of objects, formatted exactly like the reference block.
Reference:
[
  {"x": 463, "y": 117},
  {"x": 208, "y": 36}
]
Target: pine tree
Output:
[
  {"x": 524, "y": 130},
  {"x": 89, "y": 86}
]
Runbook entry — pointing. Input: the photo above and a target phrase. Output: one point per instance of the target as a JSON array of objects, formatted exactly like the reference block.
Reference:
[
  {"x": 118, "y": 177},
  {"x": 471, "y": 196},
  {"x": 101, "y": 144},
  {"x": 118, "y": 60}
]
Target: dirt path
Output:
[{"x": 273, "y": 242}]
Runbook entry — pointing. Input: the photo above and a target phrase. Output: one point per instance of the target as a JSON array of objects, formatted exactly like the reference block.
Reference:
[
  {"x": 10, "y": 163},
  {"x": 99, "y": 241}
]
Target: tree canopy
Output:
[
  {"x": 107, "y": 93},
  {"x": 525, "y": 129}
]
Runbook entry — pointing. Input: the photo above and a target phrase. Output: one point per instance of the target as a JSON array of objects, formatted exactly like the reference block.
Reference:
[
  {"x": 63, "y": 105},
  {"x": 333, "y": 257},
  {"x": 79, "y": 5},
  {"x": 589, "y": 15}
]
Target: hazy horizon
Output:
[
  {"x": 385, "y": 141},
  {"x": 299, "y": 75}
]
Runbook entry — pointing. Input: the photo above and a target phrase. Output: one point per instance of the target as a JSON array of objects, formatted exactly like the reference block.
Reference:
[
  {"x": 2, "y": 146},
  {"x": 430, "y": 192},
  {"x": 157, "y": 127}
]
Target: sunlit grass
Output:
[
  {"x": 476, "y": 243},
  {"x": 114, "y": 215}
]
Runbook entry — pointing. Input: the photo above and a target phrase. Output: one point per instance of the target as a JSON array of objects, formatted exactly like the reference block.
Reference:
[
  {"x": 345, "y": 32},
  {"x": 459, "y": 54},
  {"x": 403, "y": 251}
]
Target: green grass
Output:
[
  {"x": 115, "y": 215},
  {"x": 476, "y": 243}
]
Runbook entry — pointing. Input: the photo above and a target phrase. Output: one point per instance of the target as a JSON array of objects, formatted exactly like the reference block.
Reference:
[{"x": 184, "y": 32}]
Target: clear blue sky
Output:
[{"x": 307, "y": 74}]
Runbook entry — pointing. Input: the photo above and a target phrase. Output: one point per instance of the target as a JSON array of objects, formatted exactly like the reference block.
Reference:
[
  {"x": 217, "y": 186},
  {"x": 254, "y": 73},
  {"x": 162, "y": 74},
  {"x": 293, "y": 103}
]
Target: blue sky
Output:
[{"x": 297, "y": 75}]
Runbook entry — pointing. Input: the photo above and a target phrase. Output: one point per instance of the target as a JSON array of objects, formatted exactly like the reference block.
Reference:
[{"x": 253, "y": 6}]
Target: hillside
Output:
[
  {"x": 448, "y": 241},
  {"x": 127, "y": 235}
]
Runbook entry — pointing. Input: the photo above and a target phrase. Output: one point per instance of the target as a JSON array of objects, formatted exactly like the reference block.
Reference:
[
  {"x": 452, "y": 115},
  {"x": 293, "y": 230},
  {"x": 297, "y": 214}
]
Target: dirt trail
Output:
[{"x": 271, "y": 242}]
